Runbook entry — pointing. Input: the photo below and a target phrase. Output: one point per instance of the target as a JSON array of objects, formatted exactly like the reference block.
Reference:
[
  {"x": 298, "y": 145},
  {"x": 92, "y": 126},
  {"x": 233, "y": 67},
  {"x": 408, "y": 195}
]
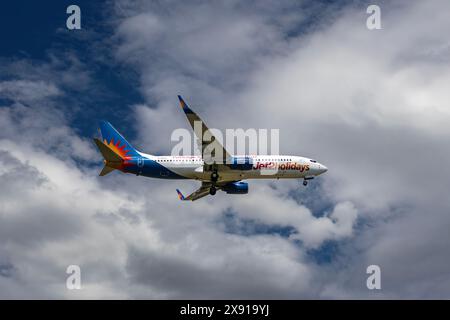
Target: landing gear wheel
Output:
[
  {"x": 305, "y": 182},
  {"x": 212, "y": 191},
  {"x": 214, "y": 176}
]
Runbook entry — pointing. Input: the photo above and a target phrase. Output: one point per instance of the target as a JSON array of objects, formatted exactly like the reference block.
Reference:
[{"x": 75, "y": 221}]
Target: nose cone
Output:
[{"x": 322, "y": 169}]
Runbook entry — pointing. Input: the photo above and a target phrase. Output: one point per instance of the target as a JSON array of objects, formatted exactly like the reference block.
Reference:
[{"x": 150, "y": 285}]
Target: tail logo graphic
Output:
[{"x": 119, "y": 150}]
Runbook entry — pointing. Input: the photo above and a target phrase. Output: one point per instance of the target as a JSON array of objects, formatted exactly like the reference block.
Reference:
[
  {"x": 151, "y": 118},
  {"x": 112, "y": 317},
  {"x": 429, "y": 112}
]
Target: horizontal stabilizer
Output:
[
  {"x": 107, "y": 153},
  {"x": 106, "y": 170},
  {"x": 112, "y": 159}
]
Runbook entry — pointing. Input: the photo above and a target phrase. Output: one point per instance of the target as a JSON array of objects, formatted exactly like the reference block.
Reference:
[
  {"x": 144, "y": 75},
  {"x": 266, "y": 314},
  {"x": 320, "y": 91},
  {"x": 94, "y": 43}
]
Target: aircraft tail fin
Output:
[
  {"x": 115, "y": 141},
  {"x": 114, "y": 148}
]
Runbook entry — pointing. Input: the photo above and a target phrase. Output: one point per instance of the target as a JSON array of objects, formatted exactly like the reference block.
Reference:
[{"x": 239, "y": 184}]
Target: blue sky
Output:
[
  {"x": 40, "y": 33},
  {"x": 371, "y": 105}
]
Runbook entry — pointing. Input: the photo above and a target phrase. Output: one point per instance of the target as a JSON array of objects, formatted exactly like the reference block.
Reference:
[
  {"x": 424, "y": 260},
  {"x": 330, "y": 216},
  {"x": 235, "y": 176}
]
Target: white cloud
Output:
[
  {"x": 27, "y": 91},
  {"x": 371, "y": 105}
]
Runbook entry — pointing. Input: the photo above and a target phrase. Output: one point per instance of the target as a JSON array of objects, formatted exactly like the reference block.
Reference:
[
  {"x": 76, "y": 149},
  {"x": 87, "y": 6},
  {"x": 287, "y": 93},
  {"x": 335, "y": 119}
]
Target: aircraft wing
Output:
[
  {"x": 206, "y": 146},
  {"x": 197, "y": 194},
  {"x": 203, "y": 191}
]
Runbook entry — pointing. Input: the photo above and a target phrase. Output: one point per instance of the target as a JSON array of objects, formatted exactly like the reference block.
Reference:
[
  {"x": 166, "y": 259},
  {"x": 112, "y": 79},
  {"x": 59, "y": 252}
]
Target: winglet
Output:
[
  {"x": 180, "y": 195},
  {"x": 184, "y": 105}
]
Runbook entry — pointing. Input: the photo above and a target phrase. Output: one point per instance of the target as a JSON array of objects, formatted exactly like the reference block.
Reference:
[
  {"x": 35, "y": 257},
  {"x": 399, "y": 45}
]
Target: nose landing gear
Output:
[
  {"x": 305, "y": 180},
  {"x": 212, "y": 190}
]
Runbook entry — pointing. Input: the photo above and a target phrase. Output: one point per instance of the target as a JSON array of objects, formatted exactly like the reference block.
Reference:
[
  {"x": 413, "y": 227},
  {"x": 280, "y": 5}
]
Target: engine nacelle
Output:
[
  {"x": 236, "y": 187},
  {"x": 241, "y": 163}
]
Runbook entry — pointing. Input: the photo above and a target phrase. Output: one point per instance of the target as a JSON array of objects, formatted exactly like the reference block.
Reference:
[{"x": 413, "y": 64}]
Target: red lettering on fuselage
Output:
[{"x": 281, "y": 166}]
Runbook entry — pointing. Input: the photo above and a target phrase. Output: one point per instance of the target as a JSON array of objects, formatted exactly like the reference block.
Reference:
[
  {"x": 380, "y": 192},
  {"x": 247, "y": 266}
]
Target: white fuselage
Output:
[{"x": 263, "y": 167}]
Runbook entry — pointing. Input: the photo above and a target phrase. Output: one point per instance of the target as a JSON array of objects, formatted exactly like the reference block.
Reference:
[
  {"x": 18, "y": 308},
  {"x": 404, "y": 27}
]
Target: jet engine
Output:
[{"x": 238, "y": 187}]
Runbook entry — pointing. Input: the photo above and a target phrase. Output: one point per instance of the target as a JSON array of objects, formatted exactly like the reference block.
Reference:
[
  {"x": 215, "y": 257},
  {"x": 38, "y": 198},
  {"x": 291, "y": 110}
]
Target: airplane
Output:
[{"x": 226, "y": 175}]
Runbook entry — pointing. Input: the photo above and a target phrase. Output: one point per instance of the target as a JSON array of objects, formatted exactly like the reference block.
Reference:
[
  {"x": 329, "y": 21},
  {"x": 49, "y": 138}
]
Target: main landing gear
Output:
[{"x": 214, "y": 178}]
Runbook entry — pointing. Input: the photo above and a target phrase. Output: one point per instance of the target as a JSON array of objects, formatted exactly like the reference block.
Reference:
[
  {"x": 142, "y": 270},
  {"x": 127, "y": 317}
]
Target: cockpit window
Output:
[{"x": 314, "y": 161}]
